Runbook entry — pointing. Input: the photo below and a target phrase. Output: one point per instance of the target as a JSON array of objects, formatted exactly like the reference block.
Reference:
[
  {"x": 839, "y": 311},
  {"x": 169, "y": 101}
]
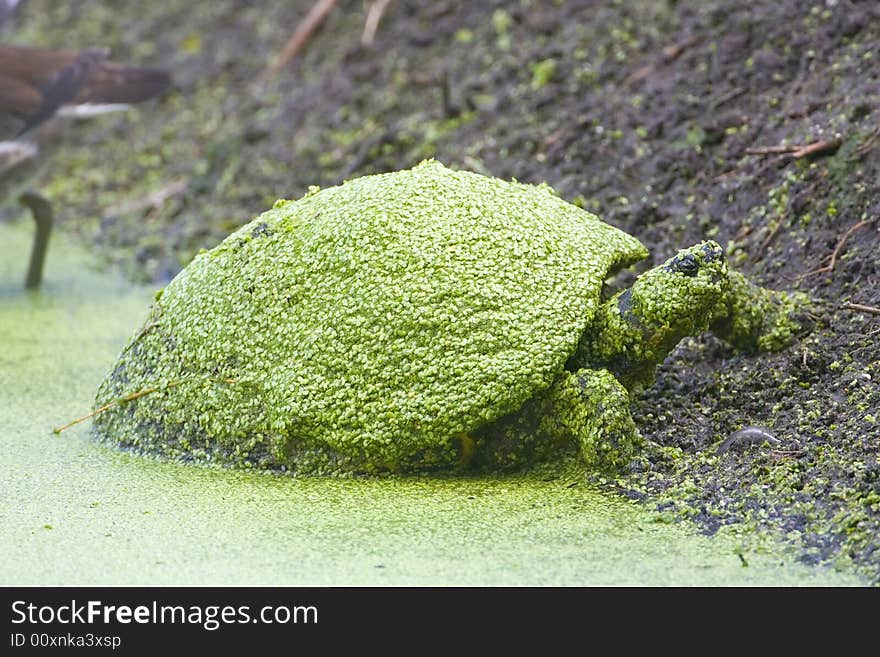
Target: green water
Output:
[{"x": 74, "y": 512}]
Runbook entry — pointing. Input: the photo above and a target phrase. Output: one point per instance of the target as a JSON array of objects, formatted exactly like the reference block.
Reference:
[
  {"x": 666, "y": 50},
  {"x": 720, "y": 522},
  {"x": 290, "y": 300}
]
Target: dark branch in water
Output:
[{"x": 41, "y": 210}]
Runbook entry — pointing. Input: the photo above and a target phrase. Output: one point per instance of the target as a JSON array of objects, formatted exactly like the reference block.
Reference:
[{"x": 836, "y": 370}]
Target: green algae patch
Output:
[
  {"x": 120, "y": 519},
  {"x": 366, "y": 326}
]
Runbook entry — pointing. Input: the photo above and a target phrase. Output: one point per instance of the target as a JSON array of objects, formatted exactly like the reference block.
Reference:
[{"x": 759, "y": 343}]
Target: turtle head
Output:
[
  {"x": 636, "y": 329},
  {"x": 679, "y": 296}
]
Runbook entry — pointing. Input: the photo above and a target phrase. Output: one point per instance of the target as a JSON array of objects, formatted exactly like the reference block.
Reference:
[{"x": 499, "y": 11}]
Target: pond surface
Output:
[{"x": 74, "y": 512}]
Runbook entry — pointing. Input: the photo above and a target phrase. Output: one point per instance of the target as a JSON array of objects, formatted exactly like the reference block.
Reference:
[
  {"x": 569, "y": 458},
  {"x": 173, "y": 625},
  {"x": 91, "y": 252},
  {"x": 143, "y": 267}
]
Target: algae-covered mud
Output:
[{"x": 74, "y": 512}]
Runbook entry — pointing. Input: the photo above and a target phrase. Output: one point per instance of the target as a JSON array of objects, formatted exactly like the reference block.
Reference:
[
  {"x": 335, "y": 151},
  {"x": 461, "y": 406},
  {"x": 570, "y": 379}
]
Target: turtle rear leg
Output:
[
  {"x": 588, "y": 408},
  {"x": 753, "y": 318},
  {"x": 41, "y": 210}
]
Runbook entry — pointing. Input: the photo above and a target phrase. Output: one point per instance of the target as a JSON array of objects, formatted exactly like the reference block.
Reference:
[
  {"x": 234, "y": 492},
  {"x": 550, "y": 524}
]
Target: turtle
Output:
[{"x": 421, "y": 319}]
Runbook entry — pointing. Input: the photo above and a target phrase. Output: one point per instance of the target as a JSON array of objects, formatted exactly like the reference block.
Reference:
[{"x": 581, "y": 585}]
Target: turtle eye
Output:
[
  {"x": 710, "y": 253},
  {"x": 686, "y": 264}
]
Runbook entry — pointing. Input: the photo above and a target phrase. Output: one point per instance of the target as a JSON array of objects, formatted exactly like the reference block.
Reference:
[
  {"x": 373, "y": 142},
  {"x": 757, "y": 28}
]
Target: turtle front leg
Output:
[
  {"x": 753, "y": 318},
  {"x": 588, "y": 407},
  {"x": 591, "y": 407},
  {"x": 41, "y": 210}
]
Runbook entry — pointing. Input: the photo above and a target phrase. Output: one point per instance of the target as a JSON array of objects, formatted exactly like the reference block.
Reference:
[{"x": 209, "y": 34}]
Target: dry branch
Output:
[
  {"x": 772, "y": 150},
  {"x": 300, "y": 36},
  {"x": 374, "y": 15},
  {"x": 798, "y": 152},
  {"x": 837, "y": 249},
  {"x": 151, "y": 201},
  {"x": 123, "y": 400},
  {"x": 871, "y": 310}
]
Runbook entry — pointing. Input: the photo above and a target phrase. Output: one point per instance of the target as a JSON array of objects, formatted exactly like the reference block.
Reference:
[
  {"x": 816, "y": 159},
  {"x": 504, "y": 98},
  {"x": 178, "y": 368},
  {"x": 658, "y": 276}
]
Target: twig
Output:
[
  {"x": 555, "y": 136},
  {"x": 151, "y": 201},
  {"x": 771, "y": 150},
  {"x": 386, "y": 136},
  {"x": 149, "y": 326},
  {"x": 736, "y": 92},
  {"x": 837, "y": 249},
  {"x": 124, "y": 400},
  {"x": 798, "y": 83},
  {"x": 300, "y": 36},
  {"x": 722, "y": 176},
  {"x": 868, "y": 143},
  {"x": 811, "y": 107},
  {"x": 766, "y": 242},
  {"x": 673, "y": 52},
  {"x": 374, "y": 15},
  {"x": 818, "y": 147},
  {"x": 450, "y": 109},
  {"x": 798, "y": 152},
  {"x": 742, "y": 233},
  {"x": 146, "y": 329},
  {"x": 670, "y": 54},
  {"x": 638, "y": 75},
  {"x": 871, "y": 310}
]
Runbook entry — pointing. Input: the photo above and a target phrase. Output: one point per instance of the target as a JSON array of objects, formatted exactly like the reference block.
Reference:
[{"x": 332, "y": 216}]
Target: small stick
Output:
[
  {"x": 858, "y": 306},
  {"x": 670, "y": 54},
  {"x": 673, "y": 52},
  {"x": 742, "y": 233},
  {"x": 799, "y": 80},
  {"x": 840, "y": 244},
  {"x": 449, "y": 109},
  {"x": 818, "y": 147},
  {"x": 726, "y": 98},
  {"x": 767, "y": 241},
  {"x": 127, "y": 398},
  {"x": 152, "y": 200},
  {"x": 772, "y": 150},
  {"x": 638, "y": 75},
  {"x": 554, "y": 136},
  {"x": 300, "y": 36},
  {"x": 868, "y": 143},
  {"x": 809, "y": 109},
  {"x": 123, "y": 400},
  {"x": 384, "y": 137},
  {"x": 798, "y": 152},
  {"x": 721, "y": 176},
  {"x": 374, "y": 15},
  {"x": 146, "y": 329}
]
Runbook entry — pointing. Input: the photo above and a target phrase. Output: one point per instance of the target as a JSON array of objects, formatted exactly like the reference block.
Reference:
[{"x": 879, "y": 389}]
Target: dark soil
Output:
[{"x": 643, "y": 112}]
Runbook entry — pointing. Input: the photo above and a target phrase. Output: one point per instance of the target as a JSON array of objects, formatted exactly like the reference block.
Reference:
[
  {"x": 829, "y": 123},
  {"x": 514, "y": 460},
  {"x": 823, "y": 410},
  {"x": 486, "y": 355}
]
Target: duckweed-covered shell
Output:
[{"x": 365, "y": 326}]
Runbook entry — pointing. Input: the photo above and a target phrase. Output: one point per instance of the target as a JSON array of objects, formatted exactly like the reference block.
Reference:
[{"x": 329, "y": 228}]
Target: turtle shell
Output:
[{"x": 365, "y": 326}]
